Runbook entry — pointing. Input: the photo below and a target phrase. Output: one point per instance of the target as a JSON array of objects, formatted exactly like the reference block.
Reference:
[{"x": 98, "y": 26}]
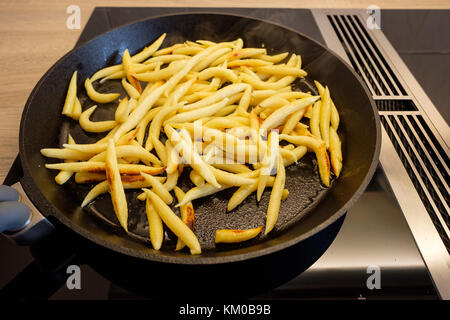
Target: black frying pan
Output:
[{"x": 309, "y": 219}]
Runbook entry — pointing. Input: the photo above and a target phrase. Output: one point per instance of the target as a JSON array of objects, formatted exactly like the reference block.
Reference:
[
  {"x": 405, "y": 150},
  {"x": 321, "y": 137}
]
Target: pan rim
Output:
[{"x": 42, "y": 204}]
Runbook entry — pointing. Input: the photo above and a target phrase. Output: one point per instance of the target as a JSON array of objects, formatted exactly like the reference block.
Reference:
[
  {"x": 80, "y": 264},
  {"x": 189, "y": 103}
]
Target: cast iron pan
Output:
[{"x": 309, "y": 209}]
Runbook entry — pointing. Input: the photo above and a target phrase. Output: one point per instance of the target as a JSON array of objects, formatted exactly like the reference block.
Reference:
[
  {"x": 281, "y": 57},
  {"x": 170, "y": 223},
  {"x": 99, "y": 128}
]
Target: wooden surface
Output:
[{"x": 34, "y": 35}]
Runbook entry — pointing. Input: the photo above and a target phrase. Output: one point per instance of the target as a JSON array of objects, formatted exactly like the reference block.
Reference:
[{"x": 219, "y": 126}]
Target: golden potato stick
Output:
[
  {"x": 196, "y": 179},
  {"x": 187, "y": 215},
  {"x": 175, "y": 79},
  {"x": 98, "y": 126},
  {"x": 172, "y": 179},
  {"x": 122, "y": 111},
  {"x": 239, "y": 54},
  {"x": 260, "y": 95},
  {"x": 158, "y": 188},
  {"x": 103, "y": 187},
  {"x": 166, "y": 58},
  {"x": 173, "y": 159},
  {"x": 274, "y": 59},
  {"x": 71, "y": 95},
  {"x": 93, "y": 167},
  {"x": 325, "y": 114},
  {"x": 130, "y": 73},
  {"x": 101, "y": 146},
  {"x": 97, "y": 96},
  {"x": 244, "y": 191},
  {"x": 278, "y": 116},
  {"x": 267, "y": 163},
  {"x": 292, "y": 121},
  {"x": 155, "y": 130},
  {"x": 227, "y": 110},
  {"x": 148, "y": 51},
  {"x": 135, "y": 150},
  {"x": 248, "y": 63},
  {"x": 63, "y": 176},
  {"x": 212, "y": 57},
  {"x": 115, "y": 185},
  {"x": 273, "y": 102},
  {"x": 275, "y": 196},
  {"x": 65, "y": 154},
  {"x": 334, "y": 112},
  {"x": 182, "y": 142},
  {"x": 155, "y": 226},
  {"x": 244, "y": 103},
  {"x": 222, "y": 123},
  {"x": 87, "y": 177},
  {"x": 282, "y": 70},
  {"x": 105, "y": 72},
  {"x": 127, "y": 180},
  {"x": 190, "y": 116},
  {"x": 218, "y": 72},
  {"x": 162, "y": 74},
  {"x": 234, "y": 167},
  {"x": 218, "y": 95},
  {"x": 315, "y": 119},
  {"x": 335, "y": 152},
  {"x": 130, "y": 90},
  {"x": 167, "y": 50},
  {"x": 294, "y": 155},
  {"x": 76, "y": 110},
  {"x": 319, "y": 148},
  {"x": 175, "y": 224},
  {"x": 139, "y": 112},
  {"x": 190, "y": 51},
  {"x": 144, "y": 123},
  {"x": 263, "y": 85},
  {"x": 200, "y": 192},
  {"x": 231, "y": 179},
  {"x": 234, "y": 236}
]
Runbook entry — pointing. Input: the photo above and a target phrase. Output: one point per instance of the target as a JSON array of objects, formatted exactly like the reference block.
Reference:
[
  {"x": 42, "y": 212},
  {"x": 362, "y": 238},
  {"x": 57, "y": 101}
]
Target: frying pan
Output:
[{"x": 309, "y": 219}]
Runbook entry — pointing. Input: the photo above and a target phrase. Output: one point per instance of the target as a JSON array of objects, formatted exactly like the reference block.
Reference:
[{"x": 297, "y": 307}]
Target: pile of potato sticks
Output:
[{"x": 223, "y": 109}]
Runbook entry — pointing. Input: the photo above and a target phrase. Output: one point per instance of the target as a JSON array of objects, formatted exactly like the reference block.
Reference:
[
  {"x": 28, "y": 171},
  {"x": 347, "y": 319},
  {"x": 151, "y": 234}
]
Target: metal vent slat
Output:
[
  {"x": 420, "y": 186},
  {"x": 367, "y": 55},
  {"x": 380, "y": 56},
  {"x": 353, "y": 58}
]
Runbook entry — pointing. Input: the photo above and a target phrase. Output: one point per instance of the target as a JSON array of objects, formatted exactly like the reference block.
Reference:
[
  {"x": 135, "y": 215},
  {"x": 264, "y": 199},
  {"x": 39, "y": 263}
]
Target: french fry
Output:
[
  {"x": 71, "y": 95},
  {"x": 130, "y": 90},
  {"x": 315, "y": 120},
  {"x": 233, "y": 236},
  {"x": 325, "y": 114},
  {"x": 275, "y": 196},
  {"x": 335, "y": 152},
  {"x": 158, "y": 188},
  {"x": 98, "y": 126},
  {"x": 277, "y": 117},
  {"x": 320, "y": 150},
  {"x": 175, "y": 224},
  {"x": 93, "y": 166},
  {"x": 97, "y": 96},
  {"x": 148, "y": 51},
  {"x": 155, "y": 225},
  {"x": 115, "y": 185},
  {"x": 63, "y": 176},
  {"x": 187, "y": 215},
  {"x": 196, "y": 178}
]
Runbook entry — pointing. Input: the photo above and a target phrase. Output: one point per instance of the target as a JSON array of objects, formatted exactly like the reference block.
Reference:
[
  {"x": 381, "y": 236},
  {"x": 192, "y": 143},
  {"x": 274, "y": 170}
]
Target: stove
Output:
[{"x": 394, "y": 242}]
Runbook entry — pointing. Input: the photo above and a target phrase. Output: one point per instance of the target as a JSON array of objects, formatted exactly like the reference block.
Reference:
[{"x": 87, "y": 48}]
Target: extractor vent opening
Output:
[
  {"x": 395, "y": 105},
  {"x": 428, "y": 172},
  {"x": 365, "y": 57}
]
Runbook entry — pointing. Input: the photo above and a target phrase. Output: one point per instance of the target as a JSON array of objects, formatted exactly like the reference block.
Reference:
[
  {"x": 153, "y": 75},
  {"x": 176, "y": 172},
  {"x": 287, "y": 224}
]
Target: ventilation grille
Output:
[
  {"x": 395, "y": 105},
  {"x": 427, "y": 166},
  {"x": 365, "y": 57}
]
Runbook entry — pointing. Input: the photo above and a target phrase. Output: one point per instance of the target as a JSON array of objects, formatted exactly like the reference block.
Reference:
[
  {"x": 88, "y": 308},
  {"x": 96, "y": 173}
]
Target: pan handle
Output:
[{"x": 20, "y": 221}]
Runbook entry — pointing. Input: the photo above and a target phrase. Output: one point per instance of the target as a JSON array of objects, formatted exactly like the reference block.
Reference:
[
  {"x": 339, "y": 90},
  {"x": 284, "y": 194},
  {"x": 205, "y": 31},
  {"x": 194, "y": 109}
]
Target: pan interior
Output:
[{"x": 303, "y": 183}]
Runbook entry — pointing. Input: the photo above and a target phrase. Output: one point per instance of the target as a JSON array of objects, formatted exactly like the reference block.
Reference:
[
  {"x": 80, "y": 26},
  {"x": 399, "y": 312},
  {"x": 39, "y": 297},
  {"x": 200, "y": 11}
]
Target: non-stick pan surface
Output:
[{"x": 309, "y": 207}]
